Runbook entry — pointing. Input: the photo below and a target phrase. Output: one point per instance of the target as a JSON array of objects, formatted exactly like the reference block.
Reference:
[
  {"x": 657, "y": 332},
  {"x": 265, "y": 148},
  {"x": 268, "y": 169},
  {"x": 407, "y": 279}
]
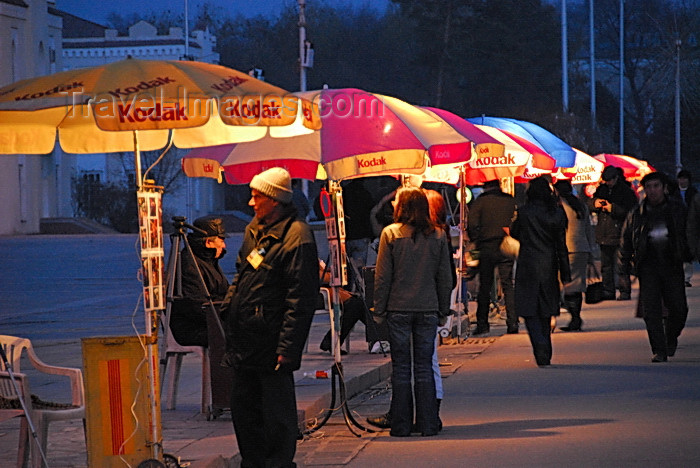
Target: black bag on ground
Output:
[
  {"x": 594, "y": 288},
  {"x": 594, "y": 292}
]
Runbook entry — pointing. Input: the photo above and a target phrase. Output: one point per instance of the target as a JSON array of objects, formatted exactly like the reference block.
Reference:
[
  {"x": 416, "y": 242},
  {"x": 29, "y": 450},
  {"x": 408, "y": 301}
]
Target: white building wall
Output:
[{"x": 31, "y": 186}]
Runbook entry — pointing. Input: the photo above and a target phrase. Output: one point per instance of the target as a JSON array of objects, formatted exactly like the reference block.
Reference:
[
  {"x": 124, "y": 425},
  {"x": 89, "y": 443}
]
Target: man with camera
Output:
[{"x": 611, "y": 202}]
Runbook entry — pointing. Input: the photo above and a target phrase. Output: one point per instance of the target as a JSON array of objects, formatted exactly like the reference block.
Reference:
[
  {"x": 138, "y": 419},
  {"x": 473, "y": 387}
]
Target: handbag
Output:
[
  {"x": 510, "y": 247},
  {"x": 594, "y": 285}
]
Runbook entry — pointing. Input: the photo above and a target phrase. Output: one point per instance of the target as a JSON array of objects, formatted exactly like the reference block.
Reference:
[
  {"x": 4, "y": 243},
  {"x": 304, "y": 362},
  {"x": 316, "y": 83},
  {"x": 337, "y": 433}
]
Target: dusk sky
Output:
[{"x": 98, "y": 10}]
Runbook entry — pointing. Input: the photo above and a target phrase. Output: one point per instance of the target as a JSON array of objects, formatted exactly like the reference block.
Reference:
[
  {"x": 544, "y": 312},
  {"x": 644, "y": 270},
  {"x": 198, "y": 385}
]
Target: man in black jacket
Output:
[
  {"x": 490, "y": 216},
  {"x": 268, "y": 322},
  {"x": 612, "y": 200},
  {"x": 188, "y": 321},
  {"x": 654, "y": 244}
]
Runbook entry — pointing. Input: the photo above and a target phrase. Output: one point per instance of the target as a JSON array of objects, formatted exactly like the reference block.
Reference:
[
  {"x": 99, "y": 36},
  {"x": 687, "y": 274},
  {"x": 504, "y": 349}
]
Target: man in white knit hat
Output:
[{"x": 268, "y": 322}]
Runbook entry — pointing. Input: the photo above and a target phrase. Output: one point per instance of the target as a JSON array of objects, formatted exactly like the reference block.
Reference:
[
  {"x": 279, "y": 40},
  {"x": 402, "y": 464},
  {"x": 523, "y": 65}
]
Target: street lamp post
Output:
[
  {"x": 591, "y": 46},
  {"x": 302, "y": 45},
  {"x": 679, "y": 165},
  {"x": 622, "y": 76},
  {"x": 302, "y": 67},
  {"x": 564, "y": 59}
]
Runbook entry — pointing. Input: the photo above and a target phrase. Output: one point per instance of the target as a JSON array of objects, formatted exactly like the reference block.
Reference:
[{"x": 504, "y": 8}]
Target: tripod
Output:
[
  {"x": 20, "y": 396},
  {"x": 214, "y": 327}
]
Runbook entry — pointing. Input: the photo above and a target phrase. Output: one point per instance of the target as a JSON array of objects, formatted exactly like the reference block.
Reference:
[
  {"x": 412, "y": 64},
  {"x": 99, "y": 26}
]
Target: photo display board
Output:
[{"x": 152, "y": 253}]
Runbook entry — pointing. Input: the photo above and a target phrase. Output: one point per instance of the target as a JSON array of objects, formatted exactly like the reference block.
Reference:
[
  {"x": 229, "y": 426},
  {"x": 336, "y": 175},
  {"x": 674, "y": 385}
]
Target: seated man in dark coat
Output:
[{"x": 188, "y": 317}]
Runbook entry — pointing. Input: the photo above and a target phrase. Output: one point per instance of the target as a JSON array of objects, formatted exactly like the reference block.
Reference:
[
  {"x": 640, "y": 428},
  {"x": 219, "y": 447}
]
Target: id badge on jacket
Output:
[{"x": 255, "y": 257}]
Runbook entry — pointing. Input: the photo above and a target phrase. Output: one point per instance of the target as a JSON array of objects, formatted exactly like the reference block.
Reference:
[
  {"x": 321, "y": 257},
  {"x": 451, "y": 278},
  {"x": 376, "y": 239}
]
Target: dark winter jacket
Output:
[
  {"x": 543, "y": 257},
  {"x": 188, "y": 316},
  {"x": 488, "y": 215},
  {"x": 273, "y": 307},
  {"x": 623, "y": 200},
  {"x": 634, "y": 249},
  {"x": 413, "y": 272}
]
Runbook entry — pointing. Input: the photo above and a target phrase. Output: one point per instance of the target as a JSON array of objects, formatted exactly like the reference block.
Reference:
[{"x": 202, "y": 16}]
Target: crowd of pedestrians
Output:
[{"x": 271, "y": 301}]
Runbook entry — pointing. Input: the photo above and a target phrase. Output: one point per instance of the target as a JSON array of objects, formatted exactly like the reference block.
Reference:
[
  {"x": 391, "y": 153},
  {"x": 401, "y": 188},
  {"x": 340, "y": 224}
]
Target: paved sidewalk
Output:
[{"x": 486, "y": 378}]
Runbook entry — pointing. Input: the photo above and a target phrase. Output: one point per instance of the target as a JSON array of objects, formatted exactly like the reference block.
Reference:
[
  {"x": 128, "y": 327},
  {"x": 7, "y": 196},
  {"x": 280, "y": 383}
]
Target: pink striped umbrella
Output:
[
  {"x": 632, "y": 168},
  {"x": 361, "y": 134}
]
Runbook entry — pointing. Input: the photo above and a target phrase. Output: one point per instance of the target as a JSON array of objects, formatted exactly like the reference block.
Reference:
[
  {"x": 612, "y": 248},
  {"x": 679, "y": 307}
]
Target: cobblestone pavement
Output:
[{"x": 335, "y": 445}]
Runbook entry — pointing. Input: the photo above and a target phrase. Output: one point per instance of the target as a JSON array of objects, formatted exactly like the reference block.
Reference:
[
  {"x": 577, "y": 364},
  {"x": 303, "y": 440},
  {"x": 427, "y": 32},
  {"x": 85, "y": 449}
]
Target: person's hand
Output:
[
  {"x": 602, "y": 204},
  {"x": 282, "y": 361}
]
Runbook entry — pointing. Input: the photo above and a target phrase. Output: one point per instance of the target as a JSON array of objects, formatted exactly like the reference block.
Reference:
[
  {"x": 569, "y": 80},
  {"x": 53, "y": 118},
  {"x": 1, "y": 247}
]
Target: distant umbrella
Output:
[
  {"x": 562, "y": 152},
  {"x": 632, "y": 168}
]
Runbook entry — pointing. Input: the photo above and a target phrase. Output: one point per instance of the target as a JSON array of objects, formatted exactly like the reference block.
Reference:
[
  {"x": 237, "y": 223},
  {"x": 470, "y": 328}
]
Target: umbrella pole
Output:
[
  {"x": 462, "y": 246},
  {"x": 332, "y": 208},
  {"x": 137, "y": 160},
  {"x": 151, "y": 333},
  {"x": 462, "y": 294}
]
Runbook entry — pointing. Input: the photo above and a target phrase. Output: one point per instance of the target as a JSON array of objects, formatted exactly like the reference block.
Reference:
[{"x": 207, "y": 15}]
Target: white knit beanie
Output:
[{"x": 275, "y": 182}]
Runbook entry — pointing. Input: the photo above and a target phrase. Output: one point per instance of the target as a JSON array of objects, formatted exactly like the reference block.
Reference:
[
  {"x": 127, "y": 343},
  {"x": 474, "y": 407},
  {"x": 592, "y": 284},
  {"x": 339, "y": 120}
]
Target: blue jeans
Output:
[{"x": 406, "y": 360}]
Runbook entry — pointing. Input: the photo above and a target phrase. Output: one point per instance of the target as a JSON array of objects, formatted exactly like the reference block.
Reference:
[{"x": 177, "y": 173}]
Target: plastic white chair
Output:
[
  {"x": 173, "y": 349},
  {"x": 41, "y": 417}
]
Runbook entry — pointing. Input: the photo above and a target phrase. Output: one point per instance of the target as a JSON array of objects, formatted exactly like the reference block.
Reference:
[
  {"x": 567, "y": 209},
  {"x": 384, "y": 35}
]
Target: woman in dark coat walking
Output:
[{"x": 540, "y": 226}]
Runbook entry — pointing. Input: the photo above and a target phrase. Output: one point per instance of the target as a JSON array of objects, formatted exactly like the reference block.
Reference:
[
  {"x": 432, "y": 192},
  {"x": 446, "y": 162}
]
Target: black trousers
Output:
[
  {"x": 264, "y": 414},
  {"x": 657, "y": 284},
  {"x": 490, "y": 257},
  {"x": 609, "y": 269},
  {"x": 539, "y": 330}
]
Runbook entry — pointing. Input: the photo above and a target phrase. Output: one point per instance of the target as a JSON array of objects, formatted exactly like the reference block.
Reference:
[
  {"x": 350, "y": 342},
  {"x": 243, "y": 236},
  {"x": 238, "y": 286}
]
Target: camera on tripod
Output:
[{"x": 180, "y": 224}]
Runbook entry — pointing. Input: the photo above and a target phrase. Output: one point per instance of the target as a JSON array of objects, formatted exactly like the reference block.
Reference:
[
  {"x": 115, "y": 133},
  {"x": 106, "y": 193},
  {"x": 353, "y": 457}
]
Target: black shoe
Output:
[
  {"x": 481, "y": 330},
  {"x": 608, "y": 297},
  {"x": 671, "y": 347},
  {"x": 383, "y": 421},
  {"x": 688, "y": 285},
  {"x": 572, "y": 327},
  {"x": 415, "y": 429},
  {"x": 624, "y": 297},
  {"x": 512, "y": 330},
  {"x": 659, "y": 358},
  {"x": 327, "y": 348}
]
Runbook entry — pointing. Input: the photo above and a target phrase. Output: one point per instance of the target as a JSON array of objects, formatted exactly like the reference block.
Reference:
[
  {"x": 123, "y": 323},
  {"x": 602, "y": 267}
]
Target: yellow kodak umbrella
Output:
[{"x": 100, "y": 109}]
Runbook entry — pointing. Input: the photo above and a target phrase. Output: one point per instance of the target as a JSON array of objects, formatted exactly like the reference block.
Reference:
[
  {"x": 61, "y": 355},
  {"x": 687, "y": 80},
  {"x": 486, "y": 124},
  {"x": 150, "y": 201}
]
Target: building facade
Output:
[
  {"x": 31, "y": 186},
  {"x": 37, "y": 39}
]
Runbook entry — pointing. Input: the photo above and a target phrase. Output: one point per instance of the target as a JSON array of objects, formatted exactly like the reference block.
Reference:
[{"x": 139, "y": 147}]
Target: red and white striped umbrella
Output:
[
  {"x": 362, "y": 134},
  {"x": 632, "y": 168},
  {"x": 586, "y": 170}
]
